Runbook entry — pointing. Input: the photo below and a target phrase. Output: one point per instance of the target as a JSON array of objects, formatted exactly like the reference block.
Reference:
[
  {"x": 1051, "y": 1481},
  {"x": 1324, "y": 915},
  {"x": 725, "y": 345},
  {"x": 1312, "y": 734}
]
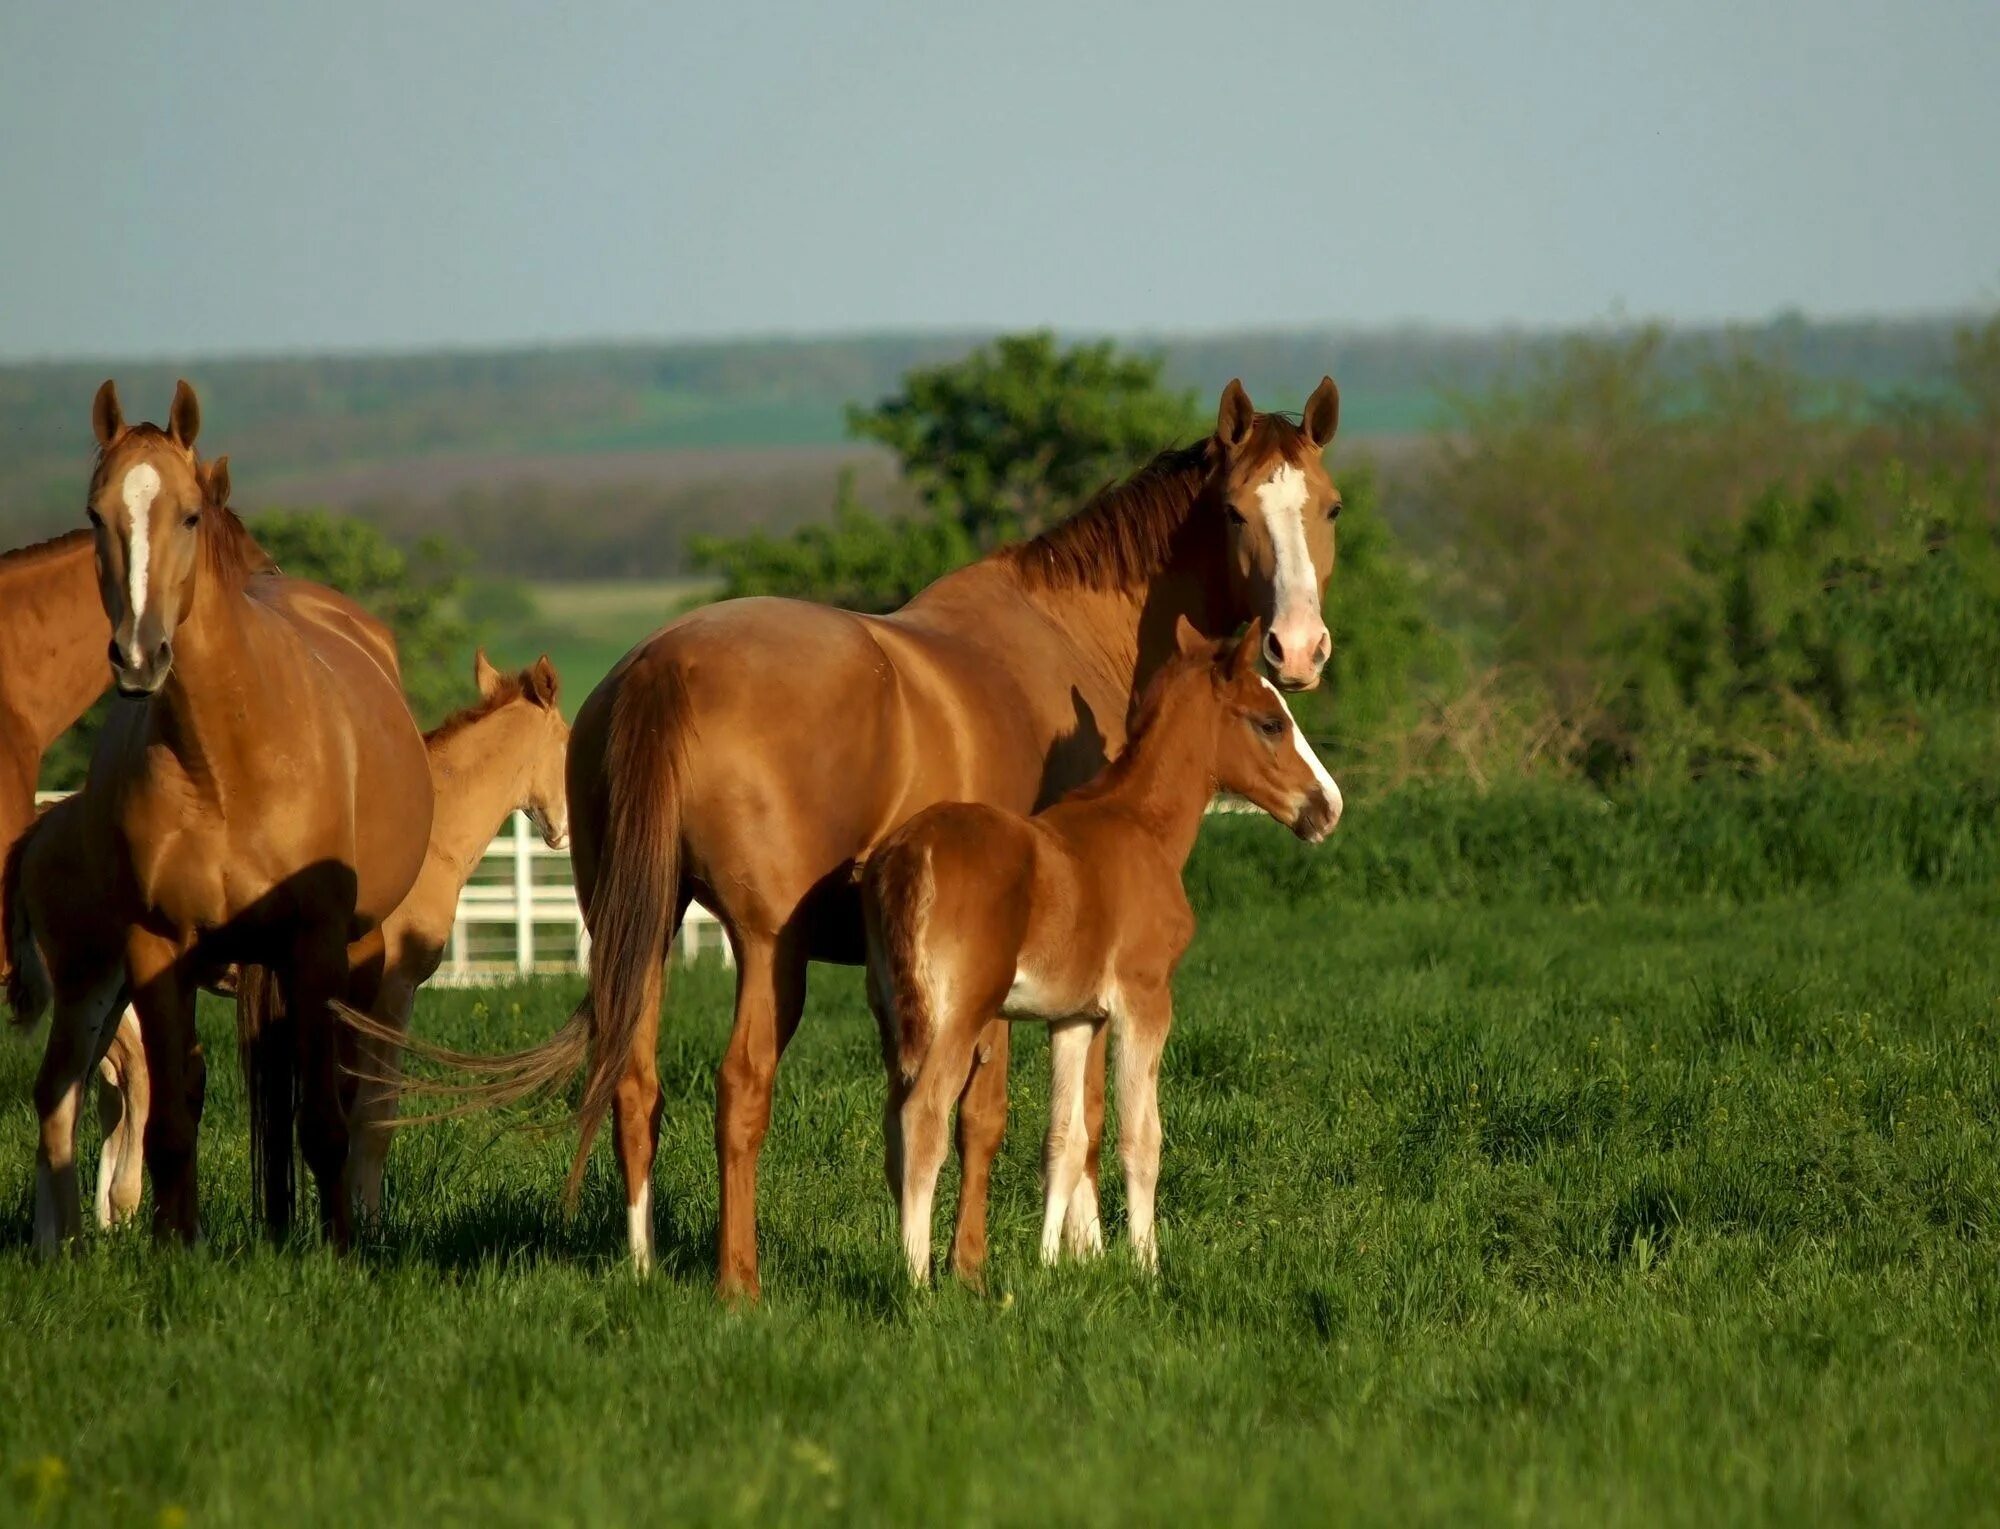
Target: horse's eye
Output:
[
  {"x": 1235, "y": 515},
  {"x": 193, "y": 520},
  {"x": 1333, "y": 513},
  {"x": 1271, "y": 727}
]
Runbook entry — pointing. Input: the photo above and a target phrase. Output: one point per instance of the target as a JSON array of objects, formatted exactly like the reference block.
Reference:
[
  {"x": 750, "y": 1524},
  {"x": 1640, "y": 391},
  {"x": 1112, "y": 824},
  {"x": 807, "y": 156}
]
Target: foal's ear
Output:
[
  {"x": 542, "y": 683},
  {"x": 1237, "y": 414},
  {"x": 1242, "y": 659},
  {"x": 1322, "y": 416},
  {"x": 214, "y": 480},
  {"x": 184, "y": 415},
  {"x": 484, "y": 675},
  {"x": 1187, "y": 640},
  {"x": 107, "y": 419}
]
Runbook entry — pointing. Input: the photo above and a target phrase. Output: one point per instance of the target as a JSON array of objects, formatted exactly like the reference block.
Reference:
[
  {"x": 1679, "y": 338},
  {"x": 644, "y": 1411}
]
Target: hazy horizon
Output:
[{"x": 256, "y": 182}]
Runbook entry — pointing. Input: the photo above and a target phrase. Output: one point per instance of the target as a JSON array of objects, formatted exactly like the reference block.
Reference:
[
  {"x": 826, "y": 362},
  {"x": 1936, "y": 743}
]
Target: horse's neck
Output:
[
  {"x": 53, "y": 633},
  {"x": 199, "y": 711},
  {"x": 1107, "y": 641},
  {"x": 1164, "y": 780},
  {"x": 478, "y": 773}
]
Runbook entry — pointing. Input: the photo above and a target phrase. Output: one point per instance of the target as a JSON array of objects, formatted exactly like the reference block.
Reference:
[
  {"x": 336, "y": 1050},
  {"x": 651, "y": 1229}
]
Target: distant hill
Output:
[{"x": 612, "y": 453}]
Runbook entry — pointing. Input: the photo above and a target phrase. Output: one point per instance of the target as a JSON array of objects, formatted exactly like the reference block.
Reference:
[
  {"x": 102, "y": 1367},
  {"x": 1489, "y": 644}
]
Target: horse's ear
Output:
[
  {"x": 543, "y": 682},
  {"x": 107, "y": 419},
  {"x": 1322, "y": 416},
  {"x": 1237, "y": 414},
  {"x": 484, "y": 675},
  {"x": 1187, "y": 640},
  {"x": 184, "y": 415},
  {"x": 1242, "y": 659},
  {"x": 214, "y": 478}
]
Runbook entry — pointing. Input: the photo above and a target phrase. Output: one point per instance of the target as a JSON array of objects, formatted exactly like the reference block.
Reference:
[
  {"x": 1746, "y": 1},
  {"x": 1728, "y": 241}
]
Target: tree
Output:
[
  {"x": 411, "y": 591},
  {"x": 997, "y": 445}
]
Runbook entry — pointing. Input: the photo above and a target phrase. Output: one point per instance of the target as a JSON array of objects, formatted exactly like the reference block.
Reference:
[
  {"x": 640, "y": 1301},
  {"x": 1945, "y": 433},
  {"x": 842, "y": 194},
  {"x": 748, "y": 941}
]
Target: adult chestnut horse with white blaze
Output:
[
  {"x": 753, "y": 753},
  {"x": 261, "y": 797}
]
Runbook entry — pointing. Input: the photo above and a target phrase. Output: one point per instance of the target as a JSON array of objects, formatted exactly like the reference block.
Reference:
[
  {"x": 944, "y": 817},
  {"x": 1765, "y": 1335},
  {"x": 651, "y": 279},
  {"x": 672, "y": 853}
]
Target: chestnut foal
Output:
[{"x": 1074, "y": 917}]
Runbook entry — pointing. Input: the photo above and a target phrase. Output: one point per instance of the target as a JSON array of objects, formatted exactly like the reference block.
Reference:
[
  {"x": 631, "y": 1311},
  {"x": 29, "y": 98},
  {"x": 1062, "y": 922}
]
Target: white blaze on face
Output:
[
  {"x": 1319, "y": 771},
  {"x": 142, "y": 487},
  {"x": 1296, "y": 622}
]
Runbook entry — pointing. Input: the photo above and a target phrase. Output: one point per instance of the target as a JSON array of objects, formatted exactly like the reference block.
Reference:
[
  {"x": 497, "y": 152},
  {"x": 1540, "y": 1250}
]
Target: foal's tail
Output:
[
  {"x": 267, "y": 1046},
  {"x": 632, "y": 906},
  {"x": 898, "y": 890},
  {"x": 29, "y": 991}
]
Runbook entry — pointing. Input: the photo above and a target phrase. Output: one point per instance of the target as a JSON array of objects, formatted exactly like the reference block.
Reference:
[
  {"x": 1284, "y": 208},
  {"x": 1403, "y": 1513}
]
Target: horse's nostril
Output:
[
  {"x": 1274, "y": 650},
  {"x": 113, "y": 653}
]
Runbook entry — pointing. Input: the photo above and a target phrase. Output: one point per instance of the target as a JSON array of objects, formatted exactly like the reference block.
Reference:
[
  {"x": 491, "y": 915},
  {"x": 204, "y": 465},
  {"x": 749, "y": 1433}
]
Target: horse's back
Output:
[{"x": 803, "y": 735}]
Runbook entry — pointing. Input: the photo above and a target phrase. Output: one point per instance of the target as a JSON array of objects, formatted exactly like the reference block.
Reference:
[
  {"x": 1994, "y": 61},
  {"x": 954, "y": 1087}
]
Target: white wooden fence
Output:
[{"x": 518, "y": 915}]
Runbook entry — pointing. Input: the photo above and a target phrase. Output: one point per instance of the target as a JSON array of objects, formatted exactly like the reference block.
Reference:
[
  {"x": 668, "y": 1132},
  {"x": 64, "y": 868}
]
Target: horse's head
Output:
[
  {"x": 146, "y": 499},
  {"x": 1260, "y": 753},
  {"x": 545, "y": 794},
  {"x": 1280, "y": 505}
]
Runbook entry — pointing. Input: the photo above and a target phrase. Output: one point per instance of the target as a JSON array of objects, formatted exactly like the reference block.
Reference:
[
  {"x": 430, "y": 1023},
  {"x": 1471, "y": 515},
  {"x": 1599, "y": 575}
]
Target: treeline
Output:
[{"x": 290, "y": 417}]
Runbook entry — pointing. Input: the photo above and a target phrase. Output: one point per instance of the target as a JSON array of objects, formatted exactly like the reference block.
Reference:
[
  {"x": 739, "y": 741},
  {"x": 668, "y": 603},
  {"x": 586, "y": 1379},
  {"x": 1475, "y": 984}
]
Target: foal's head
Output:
[
  {"x": 546, "y": 796},
  {"x": 145, "y": 506},
  {"x": 1280, "y": 505},
  {"x": 1259, "y": 752}
]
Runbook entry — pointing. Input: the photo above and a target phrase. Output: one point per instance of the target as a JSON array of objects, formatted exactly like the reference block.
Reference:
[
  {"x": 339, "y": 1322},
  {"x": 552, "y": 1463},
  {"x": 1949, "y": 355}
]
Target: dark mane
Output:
[
  {"x": 1123, "y": 536},
  {"x": 44, "y": 550},
  {"x": 229, "y": 548},
  {"x": 508, "y": 689}
]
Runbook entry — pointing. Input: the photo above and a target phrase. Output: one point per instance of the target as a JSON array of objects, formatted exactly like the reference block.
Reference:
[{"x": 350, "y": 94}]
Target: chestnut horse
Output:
[
  {"x": 503, "y": 752},
  {"x": 52, "y": 639},
  {"x": 1074, "y": 917},
  {"x": 263, "y": 799},
  {"x": 753, "y": 753}
]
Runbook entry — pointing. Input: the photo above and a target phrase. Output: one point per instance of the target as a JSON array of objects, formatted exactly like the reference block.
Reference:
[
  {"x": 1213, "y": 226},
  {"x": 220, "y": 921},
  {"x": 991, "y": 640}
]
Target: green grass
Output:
[{"x": 1673, "y": 1213}]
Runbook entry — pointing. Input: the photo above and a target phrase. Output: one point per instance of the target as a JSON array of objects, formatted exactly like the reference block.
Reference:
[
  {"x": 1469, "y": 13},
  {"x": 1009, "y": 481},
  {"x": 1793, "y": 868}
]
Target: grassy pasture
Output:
[{"x": 1572, "y": 1210}]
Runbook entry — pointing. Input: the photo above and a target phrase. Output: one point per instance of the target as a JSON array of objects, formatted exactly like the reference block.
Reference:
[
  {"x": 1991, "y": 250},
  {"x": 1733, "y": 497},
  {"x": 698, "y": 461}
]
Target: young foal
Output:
[
  {"x": 501, "y": 753},
  {"x": 1074, "y": 917}
]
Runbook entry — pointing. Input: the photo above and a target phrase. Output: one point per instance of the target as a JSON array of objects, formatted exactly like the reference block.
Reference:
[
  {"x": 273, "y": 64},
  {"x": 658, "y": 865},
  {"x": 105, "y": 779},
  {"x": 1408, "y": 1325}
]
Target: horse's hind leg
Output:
[
  {"x": 376, "y": 1102},
  {"x": 1063, "y": 1156},
  {"x": 982, "y": 1122},
  {"x": 1142, "y": 1037},
  {"x": 635, "y": 1119},
  {"x": 923, "y": 1114},
  {"x": 1083, "y": 1229},
  {"x": 770, "y": 995},
  {"x": 319, "y": 974},
  {"x": 124, "y": 1092}
]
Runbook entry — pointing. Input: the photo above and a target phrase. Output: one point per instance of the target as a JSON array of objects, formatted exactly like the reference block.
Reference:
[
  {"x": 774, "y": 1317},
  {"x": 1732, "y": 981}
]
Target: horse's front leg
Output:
[
  {"x": 1083, "y": 1226},
  {"x": 982, "y": 1123},
  {"x": 164, "y": 995}
]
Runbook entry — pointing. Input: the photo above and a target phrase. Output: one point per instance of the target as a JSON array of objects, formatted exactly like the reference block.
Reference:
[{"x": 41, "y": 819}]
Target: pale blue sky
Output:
[{"x": 216, "y": 176}]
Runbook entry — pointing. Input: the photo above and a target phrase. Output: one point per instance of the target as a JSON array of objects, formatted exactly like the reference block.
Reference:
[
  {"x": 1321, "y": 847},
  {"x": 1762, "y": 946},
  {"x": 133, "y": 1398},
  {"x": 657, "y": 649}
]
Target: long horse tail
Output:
[
  {"x": 267, "y": 1046},
  {"x": 29, "y": 990},
  {"x": 632, "y": 906}
]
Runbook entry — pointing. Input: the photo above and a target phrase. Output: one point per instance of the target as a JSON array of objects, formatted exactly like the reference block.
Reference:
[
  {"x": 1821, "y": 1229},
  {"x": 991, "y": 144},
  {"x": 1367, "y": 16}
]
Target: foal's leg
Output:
[
  {"x": 635, "y": 1119},
  {"x": 1069, "y": 1049},
  {"x": 124, "y": 1094},
  {"x": 926, "y": 1110},
  {"x": 770, "y": 995},
  {"x": 982, "y": 1122},
  {"x": 1143, "y": 1037},
  {"x": 66, "y": 1063},
  {"x": 164, "y": 997},
  {"x": 1083, "y": 1230}
]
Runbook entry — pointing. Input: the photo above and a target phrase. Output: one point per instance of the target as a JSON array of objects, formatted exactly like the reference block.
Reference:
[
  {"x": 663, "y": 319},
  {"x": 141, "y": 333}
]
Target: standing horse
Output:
[
  {"x": 52, "y": 639},
  {"x": 503, "y": 752},
  {"x": 263, "y": 799},
  {"x": 752, "y": 755},
  {"x": 1074, "y": 917}
]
